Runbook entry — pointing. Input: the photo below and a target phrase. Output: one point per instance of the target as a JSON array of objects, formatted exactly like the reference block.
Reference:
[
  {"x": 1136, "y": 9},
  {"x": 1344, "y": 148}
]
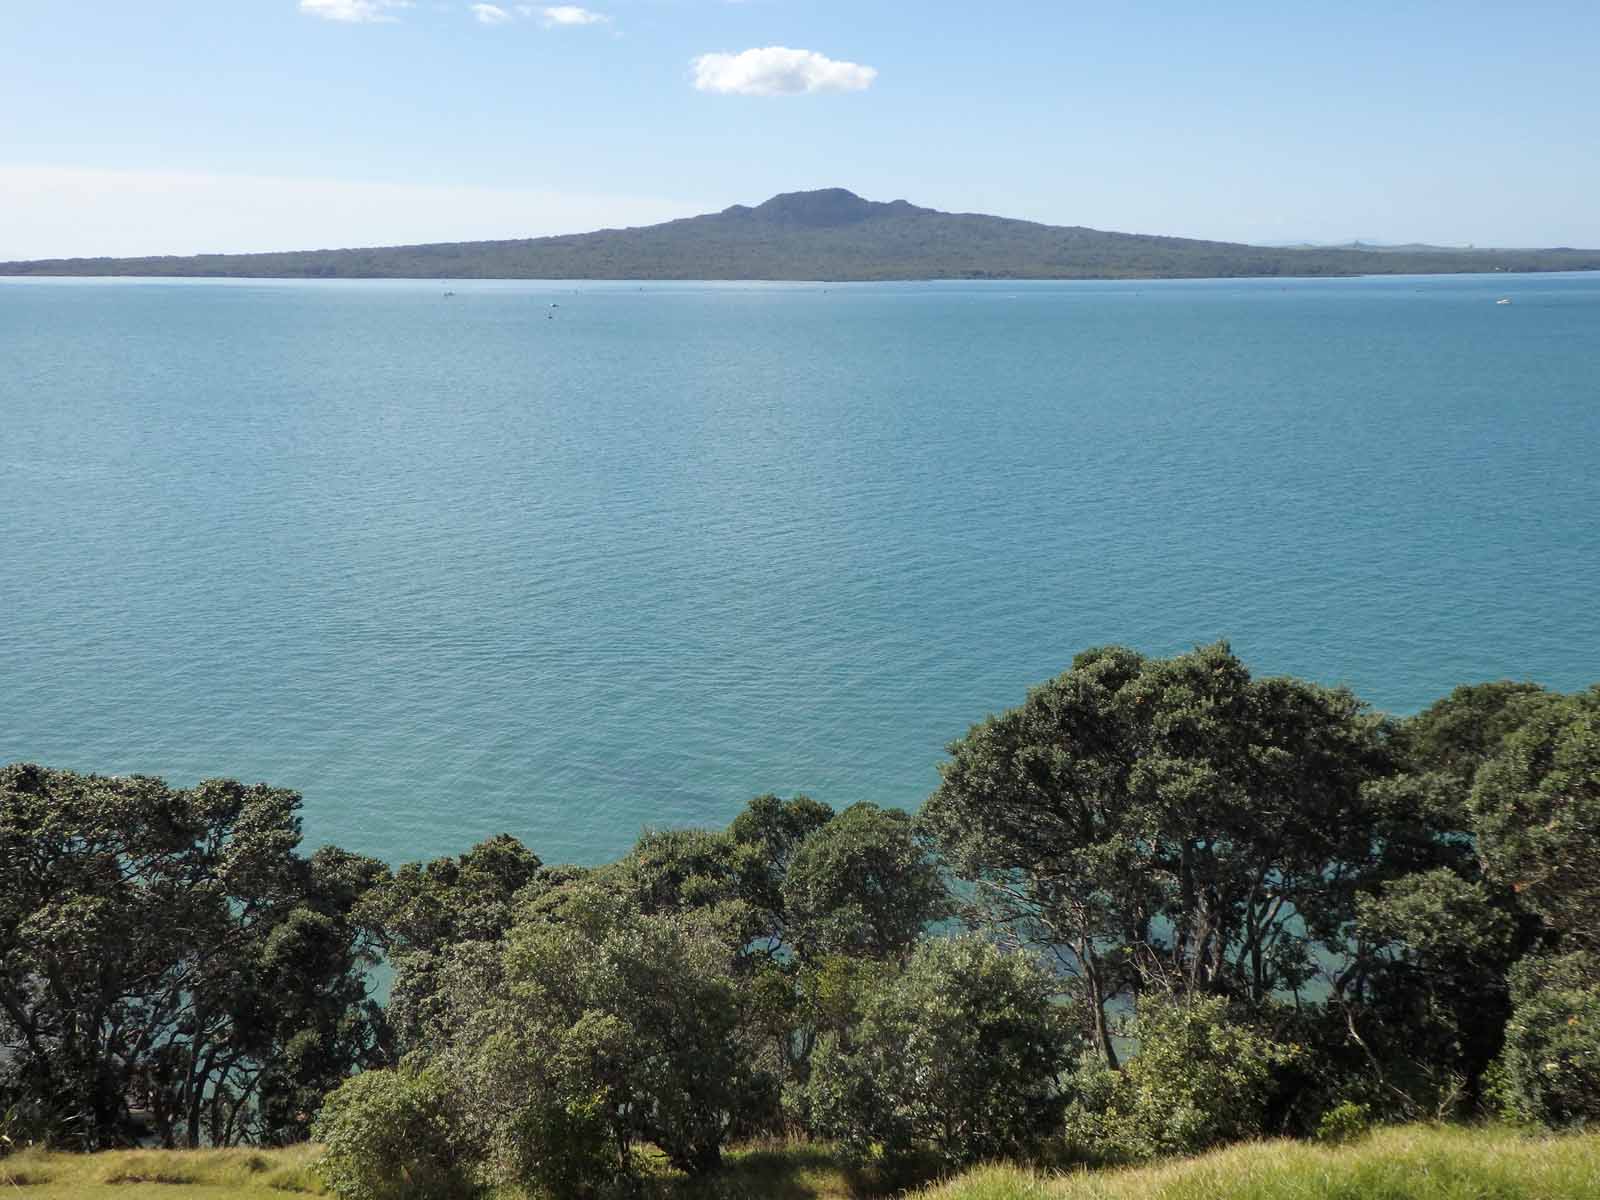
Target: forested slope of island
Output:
[{"x": 830, "y": 234}]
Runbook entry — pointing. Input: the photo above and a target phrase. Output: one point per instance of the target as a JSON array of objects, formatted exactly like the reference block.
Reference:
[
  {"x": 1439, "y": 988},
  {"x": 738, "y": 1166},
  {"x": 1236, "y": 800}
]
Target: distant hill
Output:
[
  {"x": 1382, "y": 247},
  {"x": 831, "y": 234}
]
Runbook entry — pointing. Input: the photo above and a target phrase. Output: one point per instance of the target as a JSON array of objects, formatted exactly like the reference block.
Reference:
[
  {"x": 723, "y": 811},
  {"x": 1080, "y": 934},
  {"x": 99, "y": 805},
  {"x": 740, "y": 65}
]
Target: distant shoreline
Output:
[
  {"x": 829, "y": 236},
  {"x": 42, "y": 276}
]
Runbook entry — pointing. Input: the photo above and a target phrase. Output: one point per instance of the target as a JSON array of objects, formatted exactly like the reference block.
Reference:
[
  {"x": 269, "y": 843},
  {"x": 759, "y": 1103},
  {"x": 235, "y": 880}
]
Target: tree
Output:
[
  {"x": 170, "y": 950},
  {"x": 1423, "y": 813},
  {"x": 1167, "y": 824},
  {"x": 768, "y": 833},
  {"x": 592, "y": 1027},
  {"x": 1202, "y": 1077},
  {"x": 1425, "y": 995},
  {"x": 679, "y": 870},
  {"x": 1419, "y": 985},
  {"x": 666, "y": 997},
  {"x": 425, "y": 908},
  {"x": 394, "y": 1135},
  {"x": 1536, "y": 806},
  {"x": 1458, "y": 734},
  {"x": 1549, "y": 1071},
  {"x": 861, "y": 885},
  {"x": 960, "y": 1051}
]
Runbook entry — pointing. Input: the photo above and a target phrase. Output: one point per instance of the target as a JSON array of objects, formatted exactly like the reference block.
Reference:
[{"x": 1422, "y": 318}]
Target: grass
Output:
[
  {"x": 791, "y": 1171},
  {"x": 1413, "y": 1162},
  {"x": 244, "y": 1174}
]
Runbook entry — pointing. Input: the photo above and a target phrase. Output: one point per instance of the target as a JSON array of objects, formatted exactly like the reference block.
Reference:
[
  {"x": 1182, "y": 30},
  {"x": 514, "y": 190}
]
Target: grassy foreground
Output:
[
  {"x": 167, "y": 1174},
  {"x": 1410, "y": 1163}
]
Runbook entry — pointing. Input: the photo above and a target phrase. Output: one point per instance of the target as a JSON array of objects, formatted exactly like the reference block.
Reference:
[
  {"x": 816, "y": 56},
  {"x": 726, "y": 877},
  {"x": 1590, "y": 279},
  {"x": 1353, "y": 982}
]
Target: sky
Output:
[{"x": 188, "y": 126}]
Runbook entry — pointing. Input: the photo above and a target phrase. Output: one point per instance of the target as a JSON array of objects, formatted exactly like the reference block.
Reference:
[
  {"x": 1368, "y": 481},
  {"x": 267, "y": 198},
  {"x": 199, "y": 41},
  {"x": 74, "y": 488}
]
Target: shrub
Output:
[
  {"x": 591, "y": 1029},
  {"x": 961, "y": 1052},
  {"x": 1199, "y": 1079},
  {"x": 394, "y": 1135},
  {"x": 26, "y": 1124},
  {"x": 1549, "y": 1070},
  {"x": 563, "y": 1148},
  {"x": 1344, "y": 1122}
]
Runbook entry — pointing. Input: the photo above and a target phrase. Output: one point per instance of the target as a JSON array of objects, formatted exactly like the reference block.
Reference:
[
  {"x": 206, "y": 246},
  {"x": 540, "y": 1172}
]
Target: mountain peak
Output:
[{"x": 820, "y": 209}]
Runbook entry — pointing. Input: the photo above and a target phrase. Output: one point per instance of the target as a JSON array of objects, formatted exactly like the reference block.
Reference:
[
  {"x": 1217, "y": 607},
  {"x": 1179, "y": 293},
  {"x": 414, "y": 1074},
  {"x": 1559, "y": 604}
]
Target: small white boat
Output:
[{"x": 1503, "y": 300}]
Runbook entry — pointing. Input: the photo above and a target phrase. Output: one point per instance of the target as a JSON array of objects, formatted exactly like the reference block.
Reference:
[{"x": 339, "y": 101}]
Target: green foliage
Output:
[
  {"x": 1312, "y": 909},
  {"x": 1456, "y": 735},
  {"x": 861, "y": 884},
  {"x": 394, "y": 1135},
  {"x": 1549, "y": 1071},
  {"x": 1165, "y": 824},
  {"x": 592, "y": 1027},
  {"x": 961, "y": 1052},
  {"x": 561, "y": 1146},
  {"x": 1446, "y": 924},
  {"x": 425, "y": 908},
  {"x": 1344, "y": 1122},
  {"x": 1200, "y": 1079},
  {"x": 1422, "y": 992},
  {"x": 1537, "y": 810},
  {"x": 678, "y": 869},
  {"x": 1427, "y": 994},
  {"x": 769, "y": 831},
  {"x": 172, "y": 947},
  {"x": 27, "y": 1124}
]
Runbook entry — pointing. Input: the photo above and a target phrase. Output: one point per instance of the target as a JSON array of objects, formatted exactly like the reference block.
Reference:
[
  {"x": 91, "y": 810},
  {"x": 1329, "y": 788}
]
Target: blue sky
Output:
[{"x": 172, "y": 126}]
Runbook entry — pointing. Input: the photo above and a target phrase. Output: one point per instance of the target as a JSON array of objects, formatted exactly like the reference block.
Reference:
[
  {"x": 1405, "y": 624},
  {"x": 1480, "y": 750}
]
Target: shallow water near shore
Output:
[{"x": 568, "y": 559}]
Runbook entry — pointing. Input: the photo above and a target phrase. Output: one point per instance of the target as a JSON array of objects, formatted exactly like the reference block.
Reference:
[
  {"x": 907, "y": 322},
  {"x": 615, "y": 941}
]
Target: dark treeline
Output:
[{"x": 1158, "y": 906}]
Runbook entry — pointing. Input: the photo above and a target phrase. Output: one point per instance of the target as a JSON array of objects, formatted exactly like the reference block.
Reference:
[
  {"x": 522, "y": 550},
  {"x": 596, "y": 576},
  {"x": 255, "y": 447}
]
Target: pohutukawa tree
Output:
[
  {"x": 1168, "y": 824},
  {"x": 171, "y": 953},
  {"x": 1536, "y": 805}
]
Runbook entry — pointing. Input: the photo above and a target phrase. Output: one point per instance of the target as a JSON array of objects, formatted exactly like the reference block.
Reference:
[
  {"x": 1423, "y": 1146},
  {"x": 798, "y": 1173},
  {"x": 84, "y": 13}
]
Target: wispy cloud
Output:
[
  {"x": 778, "y": 71},
  {"x": 569, "y": 14},
  {"x": 490, "y": 14},
  {"x": 354, "y": 12}
]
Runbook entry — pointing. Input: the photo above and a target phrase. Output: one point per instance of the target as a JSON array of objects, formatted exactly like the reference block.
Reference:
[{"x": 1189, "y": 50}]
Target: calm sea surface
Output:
[{"x": 453, "y": 566}]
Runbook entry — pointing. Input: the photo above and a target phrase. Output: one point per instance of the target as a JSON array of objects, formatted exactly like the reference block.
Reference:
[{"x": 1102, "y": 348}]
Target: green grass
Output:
[
  {"x": 1410, "y": 1163},
  {"x": 161, "y": 1175},
  {"x": 1414, "y": 1162},
  {"x": 791, "y": 1171}
]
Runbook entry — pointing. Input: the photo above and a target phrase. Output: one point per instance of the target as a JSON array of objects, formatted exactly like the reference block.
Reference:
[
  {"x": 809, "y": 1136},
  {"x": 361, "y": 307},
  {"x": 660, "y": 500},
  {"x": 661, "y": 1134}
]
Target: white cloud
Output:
[
  {"x": 354, "y": 12},
  {"x": 490, "y": 14},
  {"x": 778, "y": 71},
  {"x": 59, "y": 212},
  {"x": 571, "y": 14}
]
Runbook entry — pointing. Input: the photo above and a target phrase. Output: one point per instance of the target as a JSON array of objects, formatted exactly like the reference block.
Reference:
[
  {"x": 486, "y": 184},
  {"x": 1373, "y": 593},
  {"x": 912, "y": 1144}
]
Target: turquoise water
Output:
[{"x": 458, "y": 566}]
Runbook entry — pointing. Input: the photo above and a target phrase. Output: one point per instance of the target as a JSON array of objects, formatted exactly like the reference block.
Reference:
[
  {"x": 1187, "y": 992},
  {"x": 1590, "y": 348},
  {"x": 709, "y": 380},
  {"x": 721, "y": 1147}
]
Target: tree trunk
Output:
[{"x": 1097, "y": 1004}]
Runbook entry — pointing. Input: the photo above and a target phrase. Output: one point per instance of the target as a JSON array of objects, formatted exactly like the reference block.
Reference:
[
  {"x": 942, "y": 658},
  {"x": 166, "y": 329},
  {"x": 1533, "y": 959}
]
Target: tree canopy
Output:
[
  {"x": 1536, "y": 806},
  {"x": 170, "y": 953},
  {"x": 1165, "y": 823},
  {"x": 1200, "y": 906}
]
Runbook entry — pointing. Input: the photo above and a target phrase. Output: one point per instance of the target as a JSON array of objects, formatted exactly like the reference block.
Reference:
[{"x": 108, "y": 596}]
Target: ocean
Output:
[{"x": 567, "y": 560}]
